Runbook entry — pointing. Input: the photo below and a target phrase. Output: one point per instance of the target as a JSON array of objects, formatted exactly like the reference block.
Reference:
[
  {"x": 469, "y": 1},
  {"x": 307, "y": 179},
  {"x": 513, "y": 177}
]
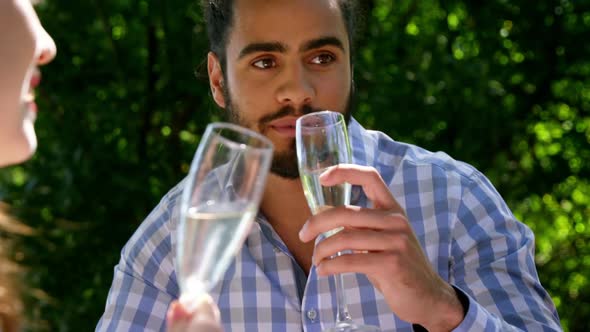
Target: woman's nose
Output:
[{"x": 46, "y": 48}]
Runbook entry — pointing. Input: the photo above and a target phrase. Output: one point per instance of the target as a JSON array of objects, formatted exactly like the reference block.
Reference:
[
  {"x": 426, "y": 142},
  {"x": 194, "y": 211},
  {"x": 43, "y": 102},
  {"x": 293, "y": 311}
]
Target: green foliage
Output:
[
  {"x": 503, "y": 85},
  {"x": 506, "y": 87},
  {"x": 121, "y": 114}
]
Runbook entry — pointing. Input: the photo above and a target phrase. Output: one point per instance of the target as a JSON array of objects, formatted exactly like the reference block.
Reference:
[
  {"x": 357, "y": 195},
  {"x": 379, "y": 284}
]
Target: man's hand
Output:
[
  {"x": 385, "y": 249},
  {"x": 202, "y": 316}
]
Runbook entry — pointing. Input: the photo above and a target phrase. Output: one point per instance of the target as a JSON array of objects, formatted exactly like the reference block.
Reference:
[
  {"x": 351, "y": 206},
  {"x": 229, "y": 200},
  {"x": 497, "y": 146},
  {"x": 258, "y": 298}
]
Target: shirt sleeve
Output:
[
  {"x": 144, "y": 282},
  {"x": 494, "y": 266}
]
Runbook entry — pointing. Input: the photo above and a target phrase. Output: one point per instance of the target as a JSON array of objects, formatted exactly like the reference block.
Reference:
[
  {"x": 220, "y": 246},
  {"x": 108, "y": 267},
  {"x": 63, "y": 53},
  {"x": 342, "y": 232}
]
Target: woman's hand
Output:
[{"x": 201, "y": 316}]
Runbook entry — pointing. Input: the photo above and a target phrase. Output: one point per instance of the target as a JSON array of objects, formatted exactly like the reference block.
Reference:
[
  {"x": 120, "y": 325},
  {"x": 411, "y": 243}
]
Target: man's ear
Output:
[{"x": 216, "y": 79}]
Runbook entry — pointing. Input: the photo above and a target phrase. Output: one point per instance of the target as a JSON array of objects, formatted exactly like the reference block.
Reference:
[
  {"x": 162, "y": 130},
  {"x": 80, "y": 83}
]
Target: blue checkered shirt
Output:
[{"x": 465, "y": 228}]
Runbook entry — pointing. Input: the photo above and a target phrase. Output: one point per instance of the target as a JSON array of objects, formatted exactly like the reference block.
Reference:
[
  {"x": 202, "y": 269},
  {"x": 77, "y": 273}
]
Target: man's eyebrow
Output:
[
  {"x": 282, "y": 48},
  {"x": 321, "y": 42},
  {"x": 263, "y": 47}
]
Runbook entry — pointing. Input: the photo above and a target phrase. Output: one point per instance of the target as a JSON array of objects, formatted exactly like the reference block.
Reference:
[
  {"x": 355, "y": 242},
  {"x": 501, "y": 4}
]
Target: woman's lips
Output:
[
  {"x": 32, "y": 107},
  {"x": 29, "y": 102},
  {"x": 35, "y": 79},
  {"x": 29, "y": 99}
]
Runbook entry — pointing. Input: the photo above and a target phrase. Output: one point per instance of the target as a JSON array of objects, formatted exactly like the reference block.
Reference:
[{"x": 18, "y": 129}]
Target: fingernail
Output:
[
  {"x": 324, "y": 176},
  {"x": 303, "y": 232},
  {"x": 318, "y": 270},
  {"x": 172, "y": 312}
]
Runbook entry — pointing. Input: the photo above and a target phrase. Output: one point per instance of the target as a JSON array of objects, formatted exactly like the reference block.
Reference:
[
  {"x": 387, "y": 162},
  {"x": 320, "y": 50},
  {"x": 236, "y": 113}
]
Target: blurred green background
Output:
[{"x": 503, "y": 85}]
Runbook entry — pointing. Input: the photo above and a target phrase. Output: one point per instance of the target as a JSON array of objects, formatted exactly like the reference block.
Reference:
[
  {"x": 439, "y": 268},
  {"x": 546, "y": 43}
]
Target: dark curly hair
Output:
[{"x": 219, "y": 19}]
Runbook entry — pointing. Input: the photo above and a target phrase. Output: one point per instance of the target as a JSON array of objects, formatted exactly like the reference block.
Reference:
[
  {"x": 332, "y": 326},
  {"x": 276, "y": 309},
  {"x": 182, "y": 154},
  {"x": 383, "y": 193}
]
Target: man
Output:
[{"x": 434, "y": 243}]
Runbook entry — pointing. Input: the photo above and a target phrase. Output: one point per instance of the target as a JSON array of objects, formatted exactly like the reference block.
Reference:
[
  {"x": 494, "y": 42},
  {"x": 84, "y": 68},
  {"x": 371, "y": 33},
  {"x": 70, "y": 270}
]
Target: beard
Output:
[{"x": 284, "y": 163}]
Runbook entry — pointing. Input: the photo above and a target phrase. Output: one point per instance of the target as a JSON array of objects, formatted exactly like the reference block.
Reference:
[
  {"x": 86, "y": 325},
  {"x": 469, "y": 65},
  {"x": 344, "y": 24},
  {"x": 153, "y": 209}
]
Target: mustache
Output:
[{"x": 288, "y": 110}]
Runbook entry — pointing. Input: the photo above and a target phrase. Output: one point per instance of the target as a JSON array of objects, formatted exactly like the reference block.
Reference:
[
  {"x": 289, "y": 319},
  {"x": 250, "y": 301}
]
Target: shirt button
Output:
[
  {"x": 312, "y": 314},
  {"x": 276, "y": 249}
]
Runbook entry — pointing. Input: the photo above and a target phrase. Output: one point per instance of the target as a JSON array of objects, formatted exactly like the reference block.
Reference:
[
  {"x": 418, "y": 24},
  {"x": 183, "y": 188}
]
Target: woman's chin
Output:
[
  {"x": 20, "y": 146},
  {"x": 29, "y": 109}
]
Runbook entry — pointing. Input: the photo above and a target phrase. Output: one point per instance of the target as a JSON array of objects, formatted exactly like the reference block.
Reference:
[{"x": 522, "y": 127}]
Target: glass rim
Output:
[
  {"x": 214, "y": 127},
  {"x": 338, "y": 115}
]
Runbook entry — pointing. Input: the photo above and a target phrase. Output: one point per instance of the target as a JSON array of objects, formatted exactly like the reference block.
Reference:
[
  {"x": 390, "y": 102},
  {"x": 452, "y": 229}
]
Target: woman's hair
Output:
[{"x": 11, "y": 307}]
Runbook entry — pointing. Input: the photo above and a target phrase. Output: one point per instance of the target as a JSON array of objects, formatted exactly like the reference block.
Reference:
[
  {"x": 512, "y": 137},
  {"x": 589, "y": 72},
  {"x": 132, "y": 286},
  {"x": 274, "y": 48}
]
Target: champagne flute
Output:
[
  {"x": 220, "y": 200},
  {"x": 322, "y": 142}
]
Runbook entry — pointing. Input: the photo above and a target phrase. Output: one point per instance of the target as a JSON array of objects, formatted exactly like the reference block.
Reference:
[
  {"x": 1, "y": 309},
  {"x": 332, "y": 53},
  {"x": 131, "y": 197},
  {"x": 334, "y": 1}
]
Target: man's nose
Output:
[{"x": 297, "y": 87}]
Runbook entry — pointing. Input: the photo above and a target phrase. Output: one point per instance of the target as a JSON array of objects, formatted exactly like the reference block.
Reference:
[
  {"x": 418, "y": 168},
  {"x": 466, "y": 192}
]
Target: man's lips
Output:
[{"x": 284, "y": 126}]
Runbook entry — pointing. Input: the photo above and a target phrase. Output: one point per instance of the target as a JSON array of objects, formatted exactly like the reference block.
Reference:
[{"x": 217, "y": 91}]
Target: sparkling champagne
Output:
[
  {"x": 212, "y": 236},
  {"x": 320, "y": 198}
]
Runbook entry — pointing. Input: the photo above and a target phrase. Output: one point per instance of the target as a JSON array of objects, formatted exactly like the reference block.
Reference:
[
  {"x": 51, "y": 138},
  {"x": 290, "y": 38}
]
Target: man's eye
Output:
[
  {"x": 264, "y": 63},
  {"x": 323, "y": 59}
]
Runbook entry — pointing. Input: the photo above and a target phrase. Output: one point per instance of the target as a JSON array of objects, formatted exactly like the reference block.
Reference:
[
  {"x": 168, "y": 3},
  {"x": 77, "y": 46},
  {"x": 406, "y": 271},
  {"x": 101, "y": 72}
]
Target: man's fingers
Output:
[
  {"x": 369, "y": 264},
  {"x": 361, "y": 241},
  {"x": 351, "y": 217},
  {"x": 366, "y": 177}
]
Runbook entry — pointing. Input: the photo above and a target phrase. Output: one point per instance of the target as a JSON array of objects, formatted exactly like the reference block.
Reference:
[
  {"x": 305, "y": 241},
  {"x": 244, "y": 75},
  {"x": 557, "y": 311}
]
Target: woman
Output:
[
  {"x": 202, "y": 316},
  {"x": 24, "y": 45}
]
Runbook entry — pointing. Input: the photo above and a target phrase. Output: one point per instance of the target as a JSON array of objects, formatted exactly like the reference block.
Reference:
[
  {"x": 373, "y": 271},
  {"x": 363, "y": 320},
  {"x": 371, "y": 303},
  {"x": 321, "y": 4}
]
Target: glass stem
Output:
[{"x": 342, "y": 314}]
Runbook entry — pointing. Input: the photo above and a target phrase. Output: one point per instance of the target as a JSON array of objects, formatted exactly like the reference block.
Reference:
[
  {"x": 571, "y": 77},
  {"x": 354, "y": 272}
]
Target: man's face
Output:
[{"x": 285, "y": 58}]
